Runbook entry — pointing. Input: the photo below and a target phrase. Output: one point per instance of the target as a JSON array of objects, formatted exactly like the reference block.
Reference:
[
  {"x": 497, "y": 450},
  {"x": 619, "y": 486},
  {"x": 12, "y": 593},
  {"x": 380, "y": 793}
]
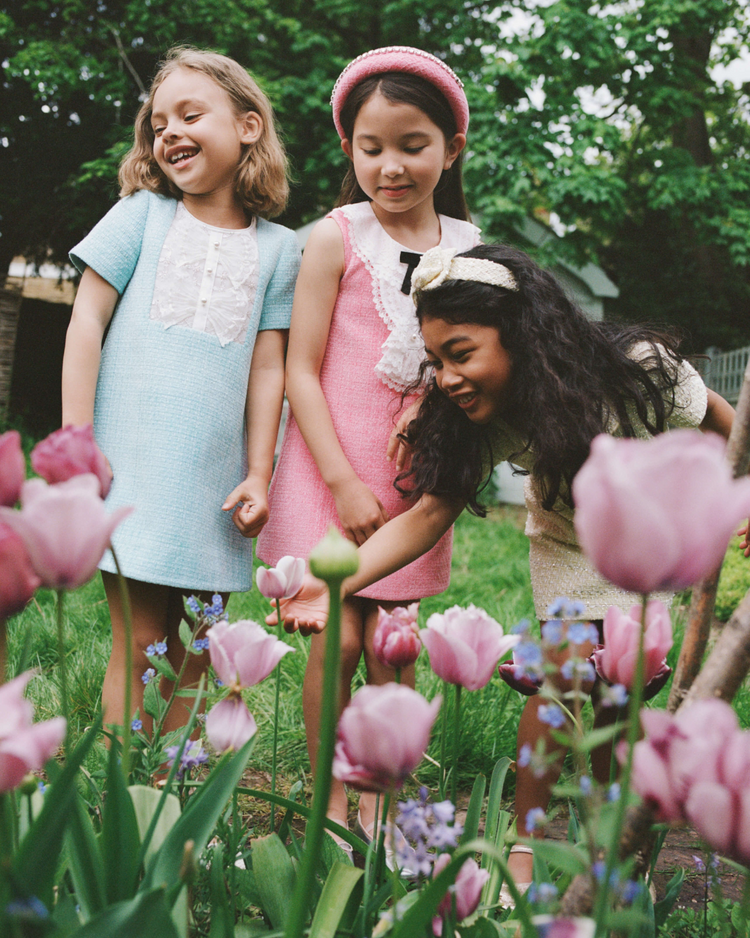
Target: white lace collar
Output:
[{"x": 403, "y": 350}]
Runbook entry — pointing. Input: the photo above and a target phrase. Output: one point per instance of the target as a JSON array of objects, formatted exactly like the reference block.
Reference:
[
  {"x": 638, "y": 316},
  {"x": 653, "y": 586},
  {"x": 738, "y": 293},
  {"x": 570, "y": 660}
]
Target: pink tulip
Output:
[
  {"x": 382, "y": 736},
  {"x": 396, "y": 640},
  {"x": 682, "y": 751},
  {"x": 65, "y": 528},
  {"x": 467, "y": 891},
  {"x": 69, "y": 452},
  {"x": 24, "y": 746},
  {"x": 548, "y": 926},
  {"x": 18, "y": 581},
  {"x": 719, "y": 808},
  {"x": 657, "y": 514},
  {"x": 12, "y": 468},
  {"x": 243, "y": 653},
  {"x": 616, "y": 660},
  {"x": 465, "y": 645},
  {"x": 283, "y": 580},
  {"x": 516, "y": 676},
  {"x": 229, "y": 724}
]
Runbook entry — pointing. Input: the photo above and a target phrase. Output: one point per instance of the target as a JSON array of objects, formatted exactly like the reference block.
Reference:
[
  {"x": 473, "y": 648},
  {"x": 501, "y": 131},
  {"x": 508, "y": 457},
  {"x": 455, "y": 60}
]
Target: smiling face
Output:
[
  {"x": 399, "y": 154},
  {"x": 471, "y": 366},
  {"x": 198, "y": 135}
]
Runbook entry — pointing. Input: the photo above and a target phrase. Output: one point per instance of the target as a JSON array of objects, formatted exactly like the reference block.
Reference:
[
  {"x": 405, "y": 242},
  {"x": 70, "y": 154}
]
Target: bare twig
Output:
[{"x": 126, "y": 61}]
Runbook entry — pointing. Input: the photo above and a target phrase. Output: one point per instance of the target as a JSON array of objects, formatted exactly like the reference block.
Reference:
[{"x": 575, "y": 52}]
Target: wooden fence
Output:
[{"x": 10, "y": 305}]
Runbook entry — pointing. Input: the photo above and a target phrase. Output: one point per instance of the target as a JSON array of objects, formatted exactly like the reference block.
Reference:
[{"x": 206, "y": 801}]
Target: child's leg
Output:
[
  {"x": 378, "y": 674},
  {"x": 195, "y": 666},
  {"x": 156, "y": 612},
  {"x": 534, "y": 789},
  {"x": 149, "y": 605},
  {"x": 352, "y": 643}
]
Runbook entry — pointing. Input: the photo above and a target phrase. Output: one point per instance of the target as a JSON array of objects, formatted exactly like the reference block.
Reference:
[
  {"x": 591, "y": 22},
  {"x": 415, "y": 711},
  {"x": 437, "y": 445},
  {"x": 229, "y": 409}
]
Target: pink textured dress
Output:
[{"x": 374, "y": 351}]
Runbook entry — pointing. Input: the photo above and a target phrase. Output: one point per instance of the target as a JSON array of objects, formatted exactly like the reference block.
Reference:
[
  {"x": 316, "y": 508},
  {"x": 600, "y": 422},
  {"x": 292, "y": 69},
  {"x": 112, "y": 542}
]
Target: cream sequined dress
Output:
[{"x": 558, "y": 567}]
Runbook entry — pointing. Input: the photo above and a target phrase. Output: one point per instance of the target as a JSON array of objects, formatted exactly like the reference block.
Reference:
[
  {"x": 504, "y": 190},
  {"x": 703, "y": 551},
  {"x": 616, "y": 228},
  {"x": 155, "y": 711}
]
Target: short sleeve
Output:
[
  {"x": 690, "y": 398},
  {"x": 277, "y": 302},
  {"x": 113, "y": 245}
]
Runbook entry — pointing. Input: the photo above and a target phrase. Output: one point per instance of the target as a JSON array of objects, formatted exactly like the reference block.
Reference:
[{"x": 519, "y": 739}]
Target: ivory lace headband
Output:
[{"x": 441, "y": 264}]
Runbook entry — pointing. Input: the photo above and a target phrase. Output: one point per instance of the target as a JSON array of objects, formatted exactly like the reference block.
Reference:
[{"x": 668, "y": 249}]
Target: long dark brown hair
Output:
[
  {"x": 404, "y": 88},
  {"x": 570, "y": 378}
]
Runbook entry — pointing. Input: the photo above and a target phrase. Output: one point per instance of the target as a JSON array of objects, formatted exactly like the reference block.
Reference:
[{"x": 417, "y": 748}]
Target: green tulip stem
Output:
[
  {"x": 456, "y": 737},
  {"x": 443, "y": 738},
  {"x": 397, "y": 676},
  {"x": 63, "y": 665},
  {"x": 3, "y": 649},
  {"x": 127, "y": 621},
  {"x": 275, "y": 734},
  {"x": 303, "y": 890},
  {"x": 603, "y": 900}
]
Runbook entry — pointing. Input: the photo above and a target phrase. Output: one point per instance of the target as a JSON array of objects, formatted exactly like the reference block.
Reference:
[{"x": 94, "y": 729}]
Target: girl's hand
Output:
[
  {"x": 249, "y": 506},
  {"x": 307, "y": 610},
  {"x": 360, "y": 511},
  {"x": 397, "y": 446}
]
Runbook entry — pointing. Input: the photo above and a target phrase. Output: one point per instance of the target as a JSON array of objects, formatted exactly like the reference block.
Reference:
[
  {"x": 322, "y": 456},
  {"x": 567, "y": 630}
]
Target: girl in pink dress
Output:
[{"x": 355, "y": 345}]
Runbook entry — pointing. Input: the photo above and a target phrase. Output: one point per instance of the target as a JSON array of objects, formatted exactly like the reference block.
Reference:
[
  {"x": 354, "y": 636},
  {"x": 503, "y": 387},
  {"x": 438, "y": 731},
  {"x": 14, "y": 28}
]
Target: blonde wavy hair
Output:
[{"x": 261, "y": 183}]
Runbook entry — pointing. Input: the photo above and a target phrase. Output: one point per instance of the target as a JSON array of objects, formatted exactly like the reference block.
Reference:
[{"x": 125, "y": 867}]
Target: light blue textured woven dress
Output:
[{"x": 170, "y": 404}]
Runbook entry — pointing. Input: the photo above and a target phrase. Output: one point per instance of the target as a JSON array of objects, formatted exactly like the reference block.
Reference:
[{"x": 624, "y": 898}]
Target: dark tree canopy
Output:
[{"x": 601, "y": 118}]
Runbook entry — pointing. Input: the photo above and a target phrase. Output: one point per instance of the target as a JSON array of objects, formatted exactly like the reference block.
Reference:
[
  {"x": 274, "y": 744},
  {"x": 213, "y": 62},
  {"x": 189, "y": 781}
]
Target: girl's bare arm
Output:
[
  {"x": 265, "y": 396},
  {"x": 360, "y": 512},
  {"x": 94, "y": 304}
]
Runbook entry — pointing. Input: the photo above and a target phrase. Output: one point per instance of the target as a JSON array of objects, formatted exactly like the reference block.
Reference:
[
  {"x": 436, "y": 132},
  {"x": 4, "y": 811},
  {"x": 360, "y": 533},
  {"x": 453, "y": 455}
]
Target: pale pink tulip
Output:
[
  {"x": 243, "y": 653},
  {"x": 283, "y": 580},
  {"x": 18, "y": 581},
  {"x": 12, "y": 468},
  {"x": 65, "y": 528},
  {"x": 69, "y": 452},
  {"x": 382, "y": 736},
  {"x": 229, "y": 724},
  {"x": 682, "y": 751},
  {"x": 616, "y": 660},
  {"x": 467, "y": 891},
  {"x": 465, "y": 645},
  {"x": 396, "y": 640},
  {"x": 550, "y": 926},
  {"x": 24, "y": 746},
  {"x": 657, "y": 514},
  {"x": 719, "y": 808}
]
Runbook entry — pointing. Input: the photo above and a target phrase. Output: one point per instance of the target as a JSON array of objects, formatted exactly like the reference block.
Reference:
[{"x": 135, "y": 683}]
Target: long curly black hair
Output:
[{"x": 569, "y": 377}]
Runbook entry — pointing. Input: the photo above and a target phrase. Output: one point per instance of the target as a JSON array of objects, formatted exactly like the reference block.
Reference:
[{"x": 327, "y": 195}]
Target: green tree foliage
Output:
[
  {"x": 601, "y": 117},
  {"x": 605, "y": 115},
  {"x": 74, "y": 71}
]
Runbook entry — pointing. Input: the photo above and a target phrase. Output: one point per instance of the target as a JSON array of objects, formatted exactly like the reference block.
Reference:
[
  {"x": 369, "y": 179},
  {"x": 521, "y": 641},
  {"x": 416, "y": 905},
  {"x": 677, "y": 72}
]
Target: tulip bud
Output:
[
  {"x": 189, "y": 865},
  {"x": 396, "y": 641},
  {"x": 333, "y": 558}
]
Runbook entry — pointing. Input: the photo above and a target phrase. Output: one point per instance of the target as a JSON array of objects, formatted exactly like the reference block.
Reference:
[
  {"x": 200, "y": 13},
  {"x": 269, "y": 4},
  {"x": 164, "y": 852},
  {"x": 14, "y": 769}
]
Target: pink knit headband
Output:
[{"x": 402, "y": 59}]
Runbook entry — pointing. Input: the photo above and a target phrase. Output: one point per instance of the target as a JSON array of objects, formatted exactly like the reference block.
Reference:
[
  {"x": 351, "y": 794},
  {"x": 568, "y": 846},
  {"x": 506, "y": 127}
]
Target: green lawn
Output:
[{"x": 490, "y": 569}]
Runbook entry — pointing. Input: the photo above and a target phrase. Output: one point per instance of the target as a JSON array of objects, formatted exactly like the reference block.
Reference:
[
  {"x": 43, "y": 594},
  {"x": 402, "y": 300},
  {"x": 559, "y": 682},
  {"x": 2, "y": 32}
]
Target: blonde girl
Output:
[
  {"x": 193, "y": 288},
  {"x": 354, "y": 343}
]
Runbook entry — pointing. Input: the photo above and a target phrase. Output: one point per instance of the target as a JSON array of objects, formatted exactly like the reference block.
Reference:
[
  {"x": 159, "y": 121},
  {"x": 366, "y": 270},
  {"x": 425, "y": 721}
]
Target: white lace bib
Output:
[
  {"x": 403, "y": 350},
  {"x": 207, "y": 278}
]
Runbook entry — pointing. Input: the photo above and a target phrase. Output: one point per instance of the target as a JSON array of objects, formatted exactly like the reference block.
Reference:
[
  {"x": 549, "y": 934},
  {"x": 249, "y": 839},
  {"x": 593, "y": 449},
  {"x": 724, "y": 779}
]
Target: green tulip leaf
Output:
[
  {"x": 339, "y": 901},
  {"x": 120, "y": 839},
  {"x": 35, "y": 863},
  {"x": 145, "y": 916},
  {"x": 274, "y": 877},
  {"x": 198, "y": 820}
]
